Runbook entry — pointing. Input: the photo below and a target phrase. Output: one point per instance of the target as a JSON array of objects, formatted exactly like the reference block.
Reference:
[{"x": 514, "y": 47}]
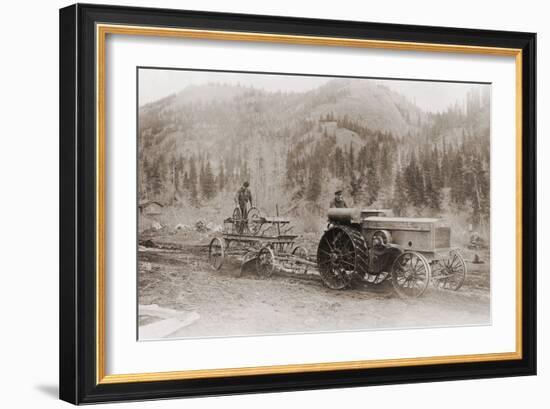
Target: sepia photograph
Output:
[{"x": 278, "y": 203}]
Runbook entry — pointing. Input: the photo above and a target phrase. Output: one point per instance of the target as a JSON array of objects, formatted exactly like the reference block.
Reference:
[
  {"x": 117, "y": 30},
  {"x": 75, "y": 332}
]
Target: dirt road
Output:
[{"x": 230, "y": 304}]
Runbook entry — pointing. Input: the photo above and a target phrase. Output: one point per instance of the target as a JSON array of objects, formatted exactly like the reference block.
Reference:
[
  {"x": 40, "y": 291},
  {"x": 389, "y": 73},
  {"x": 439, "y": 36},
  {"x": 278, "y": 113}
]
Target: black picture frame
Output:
[{"x": 78, "y": 236}]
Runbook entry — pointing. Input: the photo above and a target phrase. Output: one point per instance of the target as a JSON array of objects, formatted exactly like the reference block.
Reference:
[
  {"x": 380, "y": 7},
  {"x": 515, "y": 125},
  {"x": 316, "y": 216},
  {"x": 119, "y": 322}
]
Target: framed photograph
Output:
[{"x": 257, "y": 203}]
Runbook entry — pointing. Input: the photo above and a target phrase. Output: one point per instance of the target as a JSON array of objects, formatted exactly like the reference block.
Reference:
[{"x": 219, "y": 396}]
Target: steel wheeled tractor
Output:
[{"x": 367, "y": 245}]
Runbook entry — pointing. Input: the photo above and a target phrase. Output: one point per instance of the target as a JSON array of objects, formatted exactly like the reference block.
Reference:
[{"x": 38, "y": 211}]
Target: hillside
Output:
[
  {"x": 212, "y": 113},
  {"x": 198, "y": 145}
]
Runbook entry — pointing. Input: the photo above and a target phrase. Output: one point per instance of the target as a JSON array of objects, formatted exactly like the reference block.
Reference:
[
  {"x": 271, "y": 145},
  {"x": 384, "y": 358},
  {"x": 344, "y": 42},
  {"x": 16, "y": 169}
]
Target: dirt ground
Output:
[{"x": 174, "y": 275}]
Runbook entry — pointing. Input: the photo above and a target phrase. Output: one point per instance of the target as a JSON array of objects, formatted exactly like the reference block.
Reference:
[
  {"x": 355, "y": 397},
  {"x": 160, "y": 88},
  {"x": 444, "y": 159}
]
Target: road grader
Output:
[
  {"x": 370, "y": 246},
  {"x": 264, "y": 242}
]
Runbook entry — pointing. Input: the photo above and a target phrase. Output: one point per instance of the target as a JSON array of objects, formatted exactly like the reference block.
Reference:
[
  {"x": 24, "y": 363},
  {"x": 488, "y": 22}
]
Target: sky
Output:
[{"x": 158, "y": 83}]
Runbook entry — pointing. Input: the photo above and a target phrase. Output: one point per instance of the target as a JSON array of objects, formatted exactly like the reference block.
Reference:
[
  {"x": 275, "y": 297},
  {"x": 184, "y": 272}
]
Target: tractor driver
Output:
[
  {"x": 243, "y": 197},
  {"x": 338, "y": 200}
]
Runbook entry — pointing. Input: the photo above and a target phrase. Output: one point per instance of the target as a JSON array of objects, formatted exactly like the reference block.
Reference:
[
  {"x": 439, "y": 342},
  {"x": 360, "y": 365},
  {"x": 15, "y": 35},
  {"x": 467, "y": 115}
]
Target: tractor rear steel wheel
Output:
[
  {"x": 341, "y": 255},
  {"x": 410, "y": 274}
]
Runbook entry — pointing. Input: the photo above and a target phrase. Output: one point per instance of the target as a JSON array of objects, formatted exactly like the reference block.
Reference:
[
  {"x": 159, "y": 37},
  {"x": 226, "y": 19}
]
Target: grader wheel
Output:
[
  {"x": 265, "y": 263},
  {"x": 216, "y": 253},
  {"x": 341, "y": 255},
  {"x": 301, "y": 253},
  {"x": 253, "y": 222},
  {"x": 410, "y": 274},
  {"x": 238, "y": 225}
]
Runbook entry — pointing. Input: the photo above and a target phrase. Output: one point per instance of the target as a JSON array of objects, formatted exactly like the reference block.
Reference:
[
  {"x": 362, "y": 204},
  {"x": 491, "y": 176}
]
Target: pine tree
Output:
[
  {"x": 201, "y": 177},
  {"x": 478, "y": 190},
  {"x": 356, "y": 188},
  {"x": 221, "y": 178},
  {"x": 289, "y": 166},
  {"x": 192, "y": 181},
  {"x": 432, "y": 195},
  {"x": 176, "y": 176},
  {"x": 414, "y": 183},
  {"x": 351, "y": 160},
  {"x": 457, "y": 181},
  {"x": 208, "y": 182},
  {"x": 155, "y": 179},
  {"x": 445, "y": 167},
  {"x": 437, "y": 177},
  {"x": 339, "y": 163},
  {"x": 158, "y": 176},
  {"x": 385, "y": 165},
  {"x": 181, "y": 171},
  {"x": 314, "y": 187},
  {"x": 373, "y": 184},
  {"x": 186, "y": 182},
  {"x": 430, "y": 173},
  {"x": 400, "y": 199},
  {"x": 244, "y": 172},
  {"x": 144, "y": 178},
  {"x": 362, "y": 159}
]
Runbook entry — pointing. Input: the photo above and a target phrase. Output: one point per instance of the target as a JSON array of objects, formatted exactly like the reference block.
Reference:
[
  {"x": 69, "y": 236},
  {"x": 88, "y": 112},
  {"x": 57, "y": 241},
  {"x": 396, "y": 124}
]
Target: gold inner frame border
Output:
[{"x": 102, "y": 30}]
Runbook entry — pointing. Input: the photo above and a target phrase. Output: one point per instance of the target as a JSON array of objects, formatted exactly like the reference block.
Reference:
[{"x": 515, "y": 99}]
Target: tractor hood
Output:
[{"x": 353, "y": 215}]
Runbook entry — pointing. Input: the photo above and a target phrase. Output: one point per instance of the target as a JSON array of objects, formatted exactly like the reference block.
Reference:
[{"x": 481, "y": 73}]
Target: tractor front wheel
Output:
[
  {"x": 450, "y": 273},
  {"x": 410, "y": 274}
]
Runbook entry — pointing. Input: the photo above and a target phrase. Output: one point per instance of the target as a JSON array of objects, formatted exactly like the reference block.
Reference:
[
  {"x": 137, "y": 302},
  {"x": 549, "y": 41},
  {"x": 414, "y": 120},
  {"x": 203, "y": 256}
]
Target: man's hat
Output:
[
  {"x": 246, "y": 184},
  {"x": 338, "y": 192}
]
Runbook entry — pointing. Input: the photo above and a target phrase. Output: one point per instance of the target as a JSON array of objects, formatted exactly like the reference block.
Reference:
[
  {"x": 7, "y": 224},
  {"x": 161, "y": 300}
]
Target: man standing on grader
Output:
[{"x": 242, "y": 198}]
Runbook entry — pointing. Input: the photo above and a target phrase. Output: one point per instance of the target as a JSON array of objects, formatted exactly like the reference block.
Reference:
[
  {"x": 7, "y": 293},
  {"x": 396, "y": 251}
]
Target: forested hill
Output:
[{"x": 197, "y": 146}]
